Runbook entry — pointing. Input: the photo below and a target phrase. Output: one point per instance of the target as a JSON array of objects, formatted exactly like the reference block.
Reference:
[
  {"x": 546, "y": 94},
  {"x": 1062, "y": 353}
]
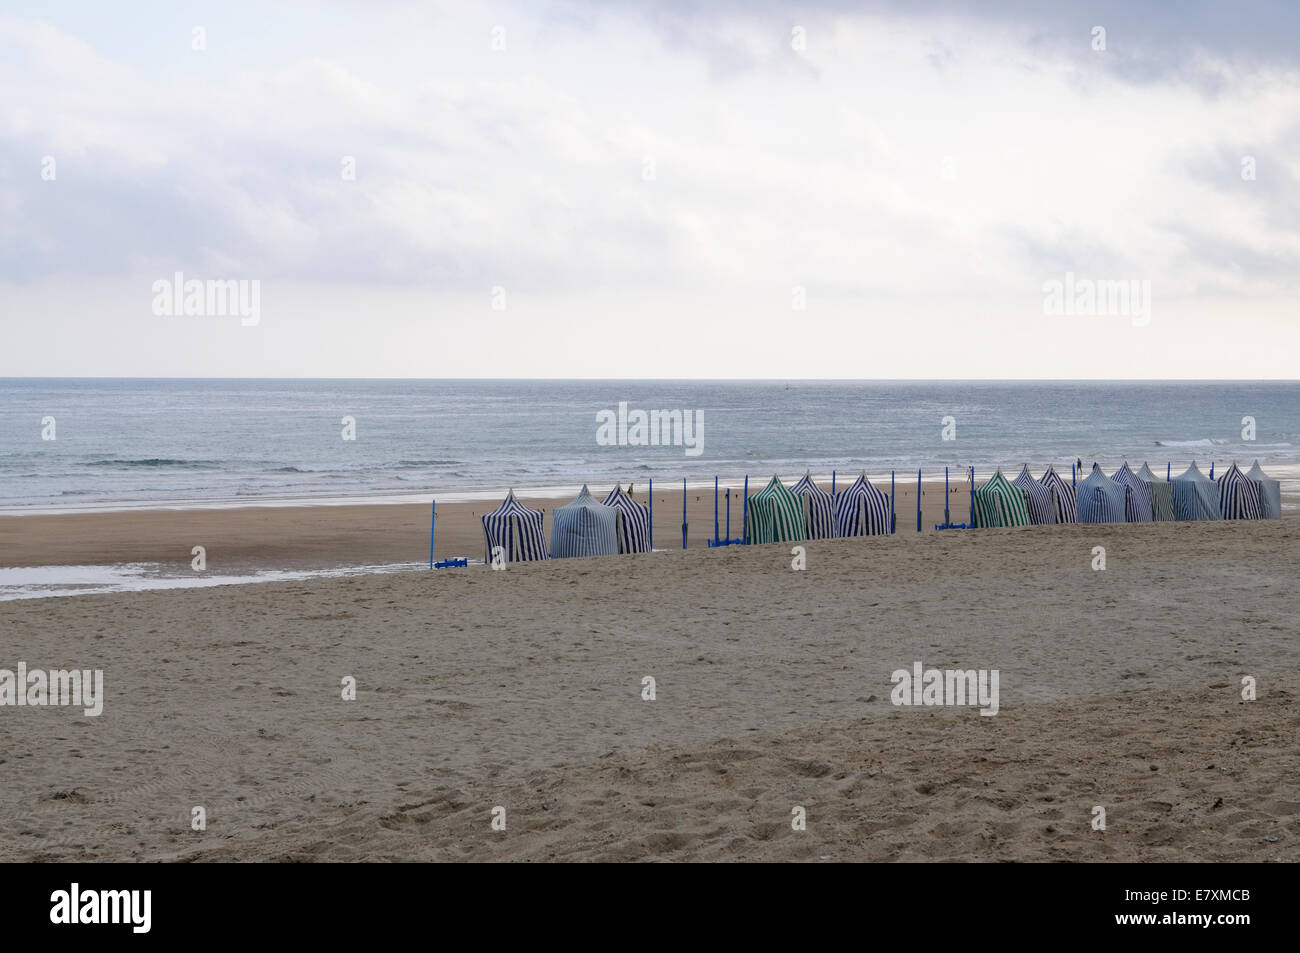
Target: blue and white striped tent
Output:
[
  {"x": 1162, "y": 495},
  {"x": 1196, "y": 497},
  {"x": 634, "y": 527},
  {"x": 1100, "y": 499},
  {"x": 1238, "y": 495},
  {"x": 1063, "y": 496},
  {"x": 1270, "y": 493},
  {"x": 1137, "y": 501},
  {"x": 517, "y": 530},
  {"x": 1042, "y": 508},
  {"x": 584, "y": 527},
  {"x": 820, "y": 508},
  {"x": 861, "y": 510}
]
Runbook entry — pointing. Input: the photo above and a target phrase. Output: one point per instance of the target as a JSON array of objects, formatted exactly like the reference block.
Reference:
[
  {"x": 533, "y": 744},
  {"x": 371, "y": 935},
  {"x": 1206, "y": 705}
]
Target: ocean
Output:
[{"x": 147, "y": 443}]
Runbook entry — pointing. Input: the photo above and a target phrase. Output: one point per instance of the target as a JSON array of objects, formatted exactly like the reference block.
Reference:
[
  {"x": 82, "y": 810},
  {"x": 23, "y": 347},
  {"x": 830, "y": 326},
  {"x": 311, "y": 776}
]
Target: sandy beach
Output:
[{"x": 522, "y": 689}]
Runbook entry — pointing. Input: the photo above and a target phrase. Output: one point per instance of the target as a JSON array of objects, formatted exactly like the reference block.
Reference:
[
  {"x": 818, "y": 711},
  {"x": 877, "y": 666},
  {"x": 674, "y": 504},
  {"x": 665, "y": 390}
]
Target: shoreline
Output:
[
  {"x": 153, "y": 548},
  {"x": 1287, "y": 473}
]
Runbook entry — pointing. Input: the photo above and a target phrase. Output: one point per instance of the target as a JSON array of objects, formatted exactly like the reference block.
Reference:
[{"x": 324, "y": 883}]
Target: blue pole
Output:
[
  {"x": 1073, "y": 485},
  {"x": 1167, "y": 466},
  {"x": 832, "y": 484},
  {"x": 946, "y": 521},
  {"x": 683, "y": 512},
  {"x": 1211, "y": 469},
  {"x": 433, "y": 515},
  {"x": 728, "y": 514},
  {"x": 715, "y": 509},
  {"x": 892, "y": 524},
  {"x": 745, "y": 513},
  {"x": 971, "y": 522},
  {"x": 652, "y": 515},
  {"x": 918, "y": 499}
]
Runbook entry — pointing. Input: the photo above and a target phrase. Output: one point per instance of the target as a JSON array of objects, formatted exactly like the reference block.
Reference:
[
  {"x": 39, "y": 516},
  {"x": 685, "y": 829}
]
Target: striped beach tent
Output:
[
  {"x": 634, "y": 527},
  {"x": 820, "y": 507},
  {"x": 1162, "y": 495},
  {"x": 517, "y": 530},
  {"x": 1238, "y": 495},
  {"x": 861, "y": 510},
  {"x": 1062, "y": 496},
  {"x": 1270, "y": 493},
  {"x": 1100, "y": 499},
  {"x": 1042, "y": 507},
  {"x": 1137, "y": 499},
  {"x": 998, "y": 503},
  {"x": 775, "y": 515},
  {"x": 1196, "y": 497},
  {"x": 585, "y": 527}
]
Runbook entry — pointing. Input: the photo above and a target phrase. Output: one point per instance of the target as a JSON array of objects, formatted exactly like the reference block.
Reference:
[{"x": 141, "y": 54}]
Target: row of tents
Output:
[
  {"x": 803, "y": 511},
  {"x": 1127, "y": 497}
]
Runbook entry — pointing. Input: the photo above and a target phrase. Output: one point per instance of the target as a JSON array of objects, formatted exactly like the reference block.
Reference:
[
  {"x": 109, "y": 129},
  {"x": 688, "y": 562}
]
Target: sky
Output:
[{"x": 671, "y": 190}]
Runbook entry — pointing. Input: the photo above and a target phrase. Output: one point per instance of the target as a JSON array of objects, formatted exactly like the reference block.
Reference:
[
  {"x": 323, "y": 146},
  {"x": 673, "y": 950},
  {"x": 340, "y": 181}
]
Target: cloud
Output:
[{"x": 915, "y": 155}]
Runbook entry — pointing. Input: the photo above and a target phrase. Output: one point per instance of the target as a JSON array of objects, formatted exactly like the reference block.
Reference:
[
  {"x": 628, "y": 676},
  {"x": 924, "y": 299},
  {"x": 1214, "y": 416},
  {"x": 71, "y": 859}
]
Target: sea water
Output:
[{"x": 151, "y": 443}]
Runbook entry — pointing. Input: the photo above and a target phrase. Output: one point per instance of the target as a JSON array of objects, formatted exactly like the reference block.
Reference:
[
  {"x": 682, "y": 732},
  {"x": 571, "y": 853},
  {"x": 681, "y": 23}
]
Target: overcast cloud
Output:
[{"x": 650, "y": 186}]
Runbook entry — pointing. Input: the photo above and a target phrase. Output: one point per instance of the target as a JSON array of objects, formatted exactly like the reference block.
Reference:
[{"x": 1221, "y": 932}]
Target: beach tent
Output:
[
  {"x": 1238, "y": 495},
  {"x": 1100, "y": 499},
  {"x": 517, "y": 530},
  {"x": 820, "y": 508},
  {"x": 998, "y": 503},
  {"x": 1042, "y": 507},
  {"x": 775, "y": 515},
  {"x": 861, "y": 510},
  {"x": 1270, "y": 493},
  {"x": 584, "y": 527},
  {"x": 1162, "y": 495},
  {"x": 634, "y": 527},
  {"x": 1137, "y": 501},
  {"x": 1062, "y": 496},
  {"x": 1195, "y": 496}
]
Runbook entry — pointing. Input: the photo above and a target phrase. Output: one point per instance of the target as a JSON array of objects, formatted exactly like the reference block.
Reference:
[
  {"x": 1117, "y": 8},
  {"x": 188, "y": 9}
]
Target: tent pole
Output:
[
  {"x": 683, "y": 512},
  {"x": 433, "y": 515},
  {"x": 652, "y": 514},
  {"x": 832, "y": 484},
  {"x": 745, "y": 512},
  {"x": 971, "y": 522},
  {"x": 918, "y": 499},
  {"x": 892, "y": 523},
  {"x": 1168, "y": 464},
  {"x": 715, "y": 509},
  {"x": 728, "y": 514}
]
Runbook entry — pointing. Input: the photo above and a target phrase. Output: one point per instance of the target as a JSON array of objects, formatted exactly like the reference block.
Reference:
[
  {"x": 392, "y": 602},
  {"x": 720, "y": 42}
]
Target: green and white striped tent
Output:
[
  {"x": 1196, "y": 496},
  {"x": 998, "y": 503},
  {"x": 775, "y": 515},
  {"x": 1162, "y": 494}
]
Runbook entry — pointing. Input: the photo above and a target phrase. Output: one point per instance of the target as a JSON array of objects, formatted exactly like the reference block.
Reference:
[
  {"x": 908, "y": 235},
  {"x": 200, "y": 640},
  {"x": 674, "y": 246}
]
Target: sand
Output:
[{"x": 522, "y": 689}]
